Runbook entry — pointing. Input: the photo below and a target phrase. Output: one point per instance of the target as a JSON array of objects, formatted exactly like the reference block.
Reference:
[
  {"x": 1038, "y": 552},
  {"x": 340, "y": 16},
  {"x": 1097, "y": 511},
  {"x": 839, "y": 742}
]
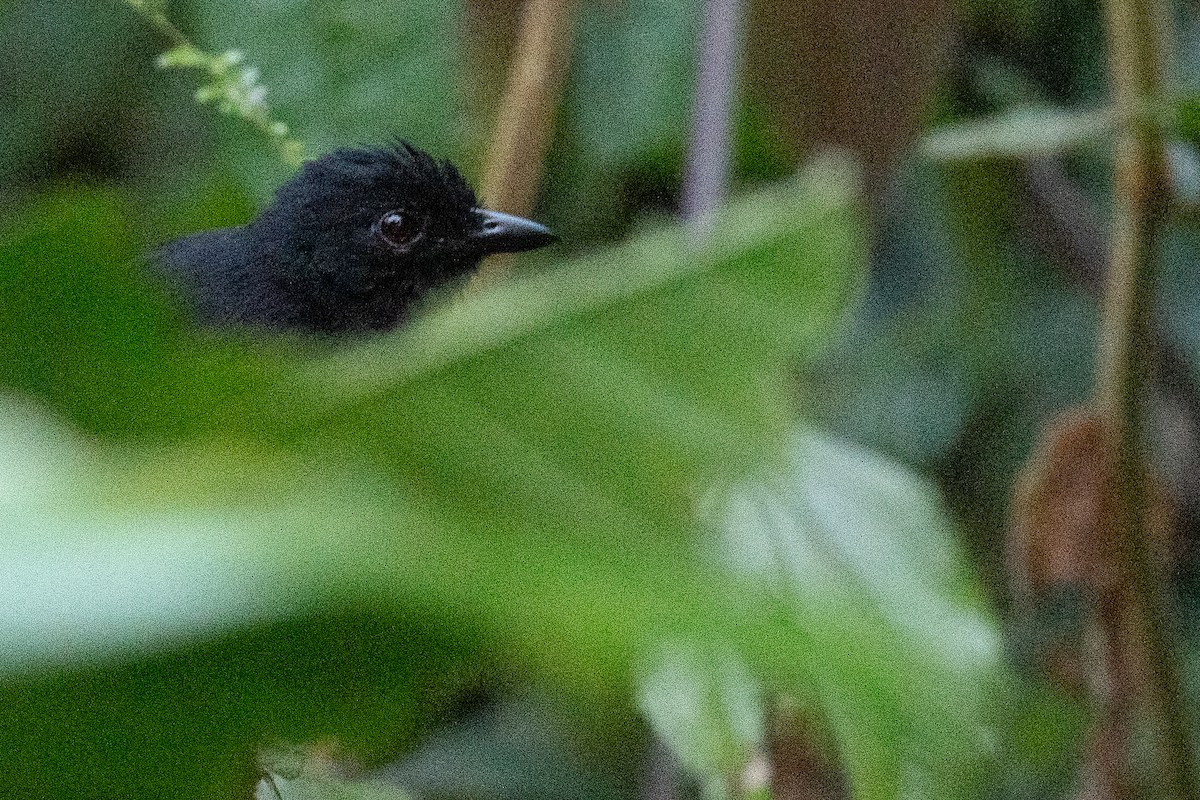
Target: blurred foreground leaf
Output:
[
  {"x": 903, "y": 658},
  {"x": 314, "y": 789},
  {"x": 288, "y": 541},
  {"x": 902, "y": 663},
  {"x": 86, "y": 332},
  {"x": 514, "y": 748},
  {"x": 297, "y": 774}
]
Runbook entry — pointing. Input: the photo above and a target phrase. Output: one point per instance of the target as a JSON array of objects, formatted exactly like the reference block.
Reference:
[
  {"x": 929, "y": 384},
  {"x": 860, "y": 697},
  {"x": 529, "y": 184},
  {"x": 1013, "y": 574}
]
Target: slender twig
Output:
[
  {"x": 706, "y": 177},
  {"x": 1136, "y": 33},
  {"x": 526, "y": 118}
]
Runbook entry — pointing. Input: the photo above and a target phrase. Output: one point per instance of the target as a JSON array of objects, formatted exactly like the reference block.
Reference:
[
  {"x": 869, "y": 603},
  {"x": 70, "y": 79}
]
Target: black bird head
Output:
[
  {"x": 352, "y": 242},
  {"x": 361, "y": 235}
]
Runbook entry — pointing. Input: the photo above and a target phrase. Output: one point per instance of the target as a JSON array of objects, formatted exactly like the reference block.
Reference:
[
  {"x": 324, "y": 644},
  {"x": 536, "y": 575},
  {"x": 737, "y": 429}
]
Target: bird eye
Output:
[{"x": 399, "y": 229}]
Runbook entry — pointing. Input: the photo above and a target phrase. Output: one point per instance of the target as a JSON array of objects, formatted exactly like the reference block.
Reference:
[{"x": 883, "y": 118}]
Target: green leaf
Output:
[
  {"x": 516, "y": 746},
  {"x": 278, "y": 539},
  {"x": 87, "y": 331},
  {"x": 1032, "y": 132},
  {"x": 326, "y": 789},
  {"x": 152, "y": 6},
  {"x": 904, "y": 657},
  {"x": 295, "y": 774}
]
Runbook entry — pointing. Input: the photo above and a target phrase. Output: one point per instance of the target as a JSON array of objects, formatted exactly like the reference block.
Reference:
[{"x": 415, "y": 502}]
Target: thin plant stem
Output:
[
  {"x": 1137, "y": 30},
  {"x": 706, "y": 176},
  {"x": 526, "y": 118}
]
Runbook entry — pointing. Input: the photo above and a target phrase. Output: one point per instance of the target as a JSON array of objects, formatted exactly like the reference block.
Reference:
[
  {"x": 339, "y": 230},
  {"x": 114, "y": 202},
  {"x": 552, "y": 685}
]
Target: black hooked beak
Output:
[{"x": 498, "y": 232}]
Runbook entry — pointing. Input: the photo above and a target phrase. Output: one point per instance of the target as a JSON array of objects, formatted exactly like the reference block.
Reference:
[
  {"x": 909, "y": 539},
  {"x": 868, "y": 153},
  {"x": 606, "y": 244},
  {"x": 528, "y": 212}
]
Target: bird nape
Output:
[{"x": 353, "y": 242}]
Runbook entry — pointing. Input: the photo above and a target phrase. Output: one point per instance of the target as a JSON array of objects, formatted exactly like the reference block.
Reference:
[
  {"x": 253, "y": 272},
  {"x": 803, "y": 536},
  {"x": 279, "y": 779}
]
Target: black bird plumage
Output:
[{"x": 353, "y": 242}]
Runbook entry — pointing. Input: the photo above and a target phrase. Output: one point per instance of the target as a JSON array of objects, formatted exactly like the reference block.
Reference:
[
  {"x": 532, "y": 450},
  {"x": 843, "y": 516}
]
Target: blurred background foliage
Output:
[{"x": 615, "y": 530}]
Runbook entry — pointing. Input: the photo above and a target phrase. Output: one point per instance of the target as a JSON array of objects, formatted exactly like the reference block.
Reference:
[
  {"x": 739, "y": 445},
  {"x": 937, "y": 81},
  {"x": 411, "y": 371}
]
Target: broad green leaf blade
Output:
[
  {"x": 905, "y": 657},
  {"x": 517, "y": 746},
  {"x": 486, "y": 415},
  {"x": 295, "y": 773},
  {"x": 255, "y": 522},
  {"x": 327, "y": 789},
  {"x": 1032, "y": 132}
]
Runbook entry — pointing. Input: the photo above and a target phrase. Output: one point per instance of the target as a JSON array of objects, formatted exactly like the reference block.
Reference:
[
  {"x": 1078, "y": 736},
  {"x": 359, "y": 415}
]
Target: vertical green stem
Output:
[{"x": 1137, "y": 34}]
